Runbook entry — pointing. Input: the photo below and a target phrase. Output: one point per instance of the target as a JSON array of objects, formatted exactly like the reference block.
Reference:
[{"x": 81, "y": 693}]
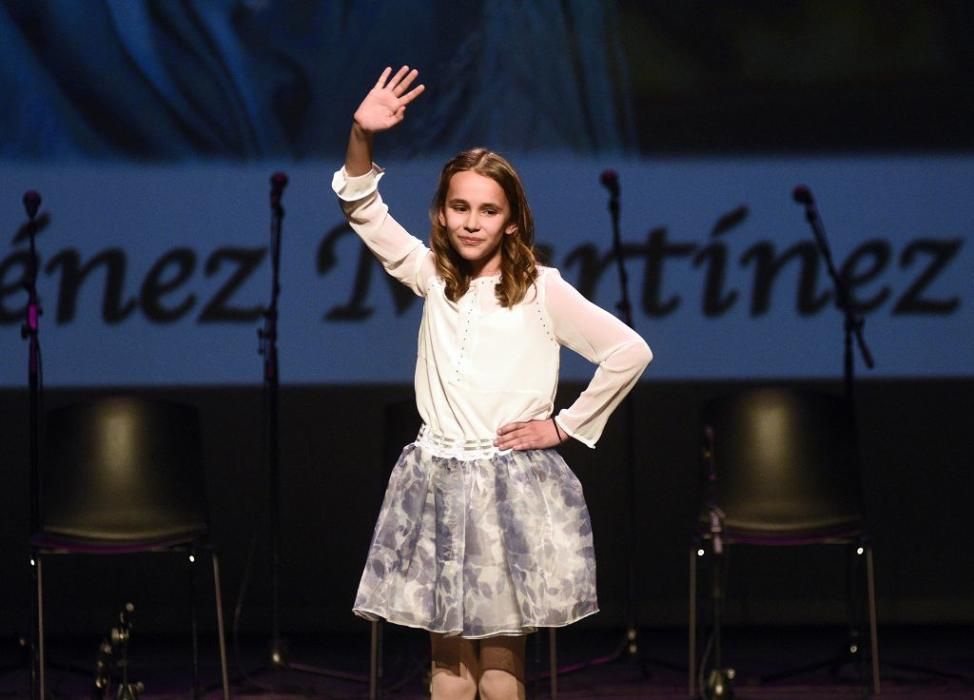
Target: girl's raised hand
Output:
[{"x": 385, "y": 105}]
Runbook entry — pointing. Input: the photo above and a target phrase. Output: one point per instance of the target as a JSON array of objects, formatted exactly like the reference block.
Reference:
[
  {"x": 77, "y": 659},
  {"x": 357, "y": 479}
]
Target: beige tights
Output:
[{"x": 462, "y": 667}]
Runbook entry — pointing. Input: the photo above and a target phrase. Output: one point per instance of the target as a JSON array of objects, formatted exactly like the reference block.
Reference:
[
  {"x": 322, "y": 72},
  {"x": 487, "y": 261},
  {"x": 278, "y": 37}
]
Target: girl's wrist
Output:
[
  {"x": 359, "y": 131},
  {"x": 561, "y": 436}
]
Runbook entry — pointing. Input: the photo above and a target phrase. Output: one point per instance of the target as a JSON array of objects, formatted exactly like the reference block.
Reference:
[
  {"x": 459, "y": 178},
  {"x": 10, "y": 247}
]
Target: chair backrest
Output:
[
  {"x": 785, "y": 461},
  {"x": 123, "y": 470}
]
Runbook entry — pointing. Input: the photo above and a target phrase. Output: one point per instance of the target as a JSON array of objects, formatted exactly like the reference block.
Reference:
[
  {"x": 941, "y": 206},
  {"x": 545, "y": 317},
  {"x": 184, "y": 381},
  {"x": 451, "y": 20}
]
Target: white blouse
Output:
[{"x": 479, "y": 365}]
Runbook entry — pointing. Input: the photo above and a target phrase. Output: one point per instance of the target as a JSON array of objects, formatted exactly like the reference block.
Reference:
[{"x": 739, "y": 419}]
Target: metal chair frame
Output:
[
  {"x": 77, "y": 538},
  {"x": 847, "y": 529},
  {"x": 44, "y": 547},
  {"x": 863, "y": 549}
]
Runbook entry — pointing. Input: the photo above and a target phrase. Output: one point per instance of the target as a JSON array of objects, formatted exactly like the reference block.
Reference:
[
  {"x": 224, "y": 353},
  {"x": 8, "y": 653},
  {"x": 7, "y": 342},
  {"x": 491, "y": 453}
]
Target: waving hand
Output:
[{"x": 385, "y": 105}]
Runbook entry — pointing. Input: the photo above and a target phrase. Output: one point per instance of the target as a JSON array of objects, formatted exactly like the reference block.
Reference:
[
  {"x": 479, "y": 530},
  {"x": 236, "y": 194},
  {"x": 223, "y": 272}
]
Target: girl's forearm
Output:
[{"x": 358, "y": 155}]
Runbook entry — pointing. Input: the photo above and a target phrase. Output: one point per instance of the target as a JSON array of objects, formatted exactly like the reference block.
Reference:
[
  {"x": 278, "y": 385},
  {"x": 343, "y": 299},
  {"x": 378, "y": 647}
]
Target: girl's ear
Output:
[
  {"x": 441, "y": 217},
  {"x": 511, "y": 229}
]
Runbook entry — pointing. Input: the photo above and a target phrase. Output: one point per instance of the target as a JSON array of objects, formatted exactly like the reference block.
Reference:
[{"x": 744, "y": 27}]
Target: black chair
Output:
[
  {"x": 124, "y": 475},
  {"x": 781, "y": 468}
]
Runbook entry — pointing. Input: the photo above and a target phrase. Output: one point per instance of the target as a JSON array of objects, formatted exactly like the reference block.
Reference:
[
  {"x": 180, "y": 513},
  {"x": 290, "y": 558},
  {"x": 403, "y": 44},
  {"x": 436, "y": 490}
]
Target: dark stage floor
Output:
[{"x": 935, "y": 663}]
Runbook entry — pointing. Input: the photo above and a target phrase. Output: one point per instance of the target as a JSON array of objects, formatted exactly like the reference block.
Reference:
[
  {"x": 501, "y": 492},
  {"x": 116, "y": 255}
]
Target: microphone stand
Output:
[
  {"x": 630, "y": 642},
  {"x": 719, "y": 681},
  {"x": 267, "y": 342},
  {"x": 121, "y": 636},
  {"x": 112, "y": 657},
  {"x": 852, "y": 328},
  {"x": 30, "y": 331},
  {"x": 853, "y": 319},
  {"x": 268, "y": 350},
  {"x": 630, "y": 646}
]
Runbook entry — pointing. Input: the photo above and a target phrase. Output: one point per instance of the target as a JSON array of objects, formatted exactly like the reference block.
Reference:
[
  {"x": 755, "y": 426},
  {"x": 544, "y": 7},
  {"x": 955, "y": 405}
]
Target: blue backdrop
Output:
[
  {"x": 151, "y": 129},
  {"x": 158, "y": 274}
]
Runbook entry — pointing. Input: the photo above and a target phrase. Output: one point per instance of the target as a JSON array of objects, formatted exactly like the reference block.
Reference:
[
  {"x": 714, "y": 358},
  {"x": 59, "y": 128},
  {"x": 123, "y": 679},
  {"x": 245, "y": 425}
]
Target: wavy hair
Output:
[{"x": 519, "y": 267}]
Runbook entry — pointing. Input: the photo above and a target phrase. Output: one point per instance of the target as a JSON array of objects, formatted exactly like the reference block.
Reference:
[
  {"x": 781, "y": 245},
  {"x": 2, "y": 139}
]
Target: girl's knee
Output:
[
  {"x": 500, "y": 685},
  {"x": 455, "y": 668},
  {"x": 448, "y": 686}
]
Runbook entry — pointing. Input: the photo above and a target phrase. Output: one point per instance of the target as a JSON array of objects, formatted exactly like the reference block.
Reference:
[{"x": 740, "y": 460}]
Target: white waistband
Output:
[{"x": 458, "y": 448}]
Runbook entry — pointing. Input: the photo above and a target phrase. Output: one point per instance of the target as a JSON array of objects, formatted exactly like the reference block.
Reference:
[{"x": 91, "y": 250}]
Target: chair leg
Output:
[
  {"x": 193, "y": 623},
  {"x": 374, "y": 661},
  {"x": 553, "y": 661},
  {"x": 224, "y": 674},
  {"x": 873, "y": 635},
  {"x": 692, "y": 649},
  {"x": 41, "y": 661}
]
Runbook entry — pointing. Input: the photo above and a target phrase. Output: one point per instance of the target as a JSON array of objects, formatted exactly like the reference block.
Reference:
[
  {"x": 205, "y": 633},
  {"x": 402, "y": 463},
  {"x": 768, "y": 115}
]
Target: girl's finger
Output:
[
  {"x": 382, "y": 78},
  {"x": 397, "y": 78},
  {"x": 404, "y": 84},
  {"x": 412, "y": 94}
]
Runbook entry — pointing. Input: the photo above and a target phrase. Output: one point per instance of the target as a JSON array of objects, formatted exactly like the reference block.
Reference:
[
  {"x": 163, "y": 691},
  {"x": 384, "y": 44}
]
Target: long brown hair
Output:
[{"x": 519, "y": 267}]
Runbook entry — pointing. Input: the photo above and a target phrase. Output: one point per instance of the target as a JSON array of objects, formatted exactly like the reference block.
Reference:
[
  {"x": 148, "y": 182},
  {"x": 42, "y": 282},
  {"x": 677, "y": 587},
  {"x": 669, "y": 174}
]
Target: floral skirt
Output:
[{"x": 496, "y": 545}]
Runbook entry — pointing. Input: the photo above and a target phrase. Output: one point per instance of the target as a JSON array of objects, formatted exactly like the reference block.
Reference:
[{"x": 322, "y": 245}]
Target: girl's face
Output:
[{"x": 475, "y": 217}]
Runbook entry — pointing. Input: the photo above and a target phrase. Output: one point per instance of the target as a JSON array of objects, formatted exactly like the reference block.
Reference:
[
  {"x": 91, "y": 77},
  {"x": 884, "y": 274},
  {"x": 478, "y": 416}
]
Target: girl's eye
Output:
[{"x": 490, "y": 212}]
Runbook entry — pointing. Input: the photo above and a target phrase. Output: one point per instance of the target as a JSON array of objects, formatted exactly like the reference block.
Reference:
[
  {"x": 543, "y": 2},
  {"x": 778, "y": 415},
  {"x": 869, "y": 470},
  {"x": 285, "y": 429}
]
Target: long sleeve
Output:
[
  {"x": 403, "y": 256},
  {"x": 595, "y": 334}
]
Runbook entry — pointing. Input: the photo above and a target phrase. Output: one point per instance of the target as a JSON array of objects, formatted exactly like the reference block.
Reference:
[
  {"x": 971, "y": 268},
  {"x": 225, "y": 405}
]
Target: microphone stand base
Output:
[
  {"x": 278, "y": 654},
  {"x": 719, "y": 683}
]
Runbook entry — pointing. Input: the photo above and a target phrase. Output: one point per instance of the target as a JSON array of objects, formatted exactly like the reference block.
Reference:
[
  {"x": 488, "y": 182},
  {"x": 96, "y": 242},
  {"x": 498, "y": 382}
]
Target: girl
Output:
[{"x": 483, "y": 535}]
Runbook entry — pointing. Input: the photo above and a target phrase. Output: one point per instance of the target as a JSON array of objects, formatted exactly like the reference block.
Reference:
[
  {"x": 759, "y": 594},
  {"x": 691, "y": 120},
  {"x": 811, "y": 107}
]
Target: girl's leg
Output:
[
  {"x": 455, "y": 668},
  {"x": 502, "y": 668}
]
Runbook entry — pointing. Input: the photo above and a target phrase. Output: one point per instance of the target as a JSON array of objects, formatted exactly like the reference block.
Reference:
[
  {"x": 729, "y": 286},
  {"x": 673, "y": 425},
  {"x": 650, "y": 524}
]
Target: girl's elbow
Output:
[{"x": 645, "y": 354}]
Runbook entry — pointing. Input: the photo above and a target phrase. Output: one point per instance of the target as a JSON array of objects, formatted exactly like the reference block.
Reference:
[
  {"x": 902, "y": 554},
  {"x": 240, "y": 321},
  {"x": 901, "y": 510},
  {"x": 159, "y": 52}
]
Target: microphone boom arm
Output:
[{"x": 854, "y": 320}]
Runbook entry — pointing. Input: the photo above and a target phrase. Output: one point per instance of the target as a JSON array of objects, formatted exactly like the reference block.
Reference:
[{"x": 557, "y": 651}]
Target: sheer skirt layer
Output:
[{"x": 497, "y": 545}]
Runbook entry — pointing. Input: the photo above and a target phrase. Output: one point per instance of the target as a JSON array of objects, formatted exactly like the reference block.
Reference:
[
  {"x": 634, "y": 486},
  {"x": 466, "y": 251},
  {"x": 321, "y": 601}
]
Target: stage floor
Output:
[{"x": 922, "y": 663}]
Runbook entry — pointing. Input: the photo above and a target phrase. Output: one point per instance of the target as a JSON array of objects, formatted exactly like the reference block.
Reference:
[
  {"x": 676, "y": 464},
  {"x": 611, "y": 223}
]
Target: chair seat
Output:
[
  {"x": 53, "y": 542},
  {"x": 823, "y": 531},
  {"x": 784, "y": 538}
]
